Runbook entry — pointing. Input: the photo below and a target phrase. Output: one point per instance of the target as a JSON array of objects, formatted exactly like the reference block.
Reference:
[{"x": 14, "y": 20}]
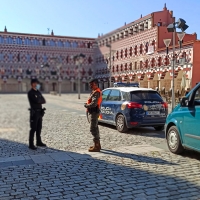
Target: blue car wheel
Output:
[{"x": 173, "y": 140}]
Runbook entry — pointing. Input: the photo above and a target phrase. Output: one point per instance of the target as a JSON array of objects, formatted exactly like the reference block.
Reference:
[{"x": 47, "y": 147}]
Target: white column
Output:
[{"x": 148, "y": 83}]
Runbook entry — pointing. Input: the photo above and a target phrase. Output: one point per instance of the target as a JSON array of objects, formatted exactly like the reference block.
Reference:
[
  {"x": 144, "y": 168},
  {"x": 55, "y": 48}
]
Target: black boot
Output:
[
  {"x": 31, "y": 144},
  {"x": 41, "y": 144},
  {"x": 32, "y": 147}
]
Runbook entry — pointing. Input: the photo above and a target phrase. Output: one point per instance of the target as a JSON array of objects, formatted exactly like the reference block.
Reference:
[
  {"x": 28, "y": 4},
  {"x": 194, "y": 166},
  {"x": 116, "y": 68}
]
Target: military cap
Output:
[
  {"x": 34, "y": 80},
  {"x": 94, "y": 80}
]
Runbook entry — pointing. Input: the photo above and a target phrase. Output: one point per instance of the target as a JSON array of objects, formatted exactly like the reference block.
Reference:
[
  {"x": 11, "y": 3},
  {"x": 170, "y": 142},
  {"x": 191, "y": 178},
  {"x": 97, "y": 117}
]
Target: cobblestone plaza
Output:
[{"x": 133, "y": 165}]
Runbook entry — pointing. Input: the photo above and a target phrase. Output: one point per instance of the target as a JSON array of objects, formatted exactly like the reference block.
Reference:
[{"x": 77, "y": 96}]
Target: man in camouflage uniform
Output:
[{"x": 93, "y": 108}]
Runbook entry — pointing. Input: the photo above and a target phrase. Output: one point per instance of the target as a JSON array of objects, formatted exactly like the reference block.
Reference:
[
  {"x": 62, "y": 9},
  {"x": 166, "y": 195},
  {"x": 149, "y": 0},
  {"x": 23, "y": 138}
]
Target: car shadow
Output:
[{"x": 141, "y": 131}]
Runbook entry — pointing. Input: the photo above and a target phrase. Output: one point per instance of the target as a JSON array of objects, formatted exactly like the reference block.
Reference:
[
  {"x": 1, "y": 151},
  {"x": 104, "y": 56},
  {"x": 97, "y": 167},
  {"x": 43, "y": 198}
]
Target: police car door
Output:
[
  {"x": 113, "y": 105},
  {"x": 103, "y": 115}
]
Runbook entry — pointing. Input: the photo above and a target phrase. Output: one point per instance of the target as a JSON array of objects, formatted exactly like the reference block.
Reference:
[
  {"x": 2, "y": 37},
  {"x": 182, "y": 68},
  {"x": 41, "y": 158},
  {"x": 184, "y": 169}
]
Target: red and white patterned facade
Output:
[
  {"x": 22, "y": 55},
  {"x": 138, "y": 54}
]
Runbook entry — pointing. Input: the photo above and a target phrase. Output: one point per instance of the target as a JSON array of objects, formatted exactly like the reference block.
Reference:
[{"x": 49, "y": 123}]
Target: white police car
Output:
[{"x": 129, "y": 107}]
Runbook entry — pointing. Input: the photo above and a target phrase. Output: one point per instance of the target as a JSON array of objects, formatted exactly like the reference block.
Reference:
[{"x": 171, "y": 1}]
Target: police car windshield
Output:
[{"x": 145, "y": 95}]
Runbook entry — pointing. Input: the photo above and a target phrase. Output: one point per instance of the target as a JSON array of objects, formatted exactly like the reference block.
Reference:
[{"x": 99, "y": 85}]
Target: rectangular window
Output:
[{"x": 114, "y": 96}]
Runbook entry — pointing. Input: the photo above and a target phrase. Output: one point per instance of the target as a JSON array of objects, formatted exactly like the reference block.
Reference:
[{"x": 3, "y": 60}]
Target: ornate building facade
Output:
[
  {"x": 21, "y": 57},
  {"x": 136, "y": 53}
]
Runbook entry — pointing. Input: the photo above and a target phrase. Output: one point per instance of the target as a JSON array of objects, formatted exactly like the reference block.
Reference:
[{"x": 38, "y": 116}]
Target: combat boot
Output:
[{"x": 96, "y": 147}]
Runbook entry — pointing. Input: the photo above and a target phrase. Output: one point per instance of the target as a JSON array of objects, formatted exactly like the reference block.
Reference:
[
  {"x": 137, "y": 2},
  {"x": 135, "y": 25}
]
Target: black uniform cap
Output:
[
  {"x": 94, "y": 80},
  {"x": 34, "y": 80}
]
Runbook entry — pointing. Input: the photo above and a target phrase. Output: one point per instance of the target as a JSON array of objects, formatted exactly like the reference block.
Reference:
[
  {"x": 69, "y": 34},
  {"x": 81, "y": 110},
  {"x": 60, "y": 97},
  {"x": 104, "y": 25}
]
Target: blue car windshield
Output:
[{"x": 145, "y": 95}]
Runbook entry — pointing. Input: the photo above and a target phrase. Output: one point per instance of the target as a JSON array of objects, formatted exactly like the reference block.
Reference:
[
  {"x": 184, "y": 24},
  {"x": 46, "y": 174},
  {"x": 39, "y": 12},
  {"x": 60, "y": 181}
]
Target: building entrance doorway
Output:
[{"x": 54, "y": 87}]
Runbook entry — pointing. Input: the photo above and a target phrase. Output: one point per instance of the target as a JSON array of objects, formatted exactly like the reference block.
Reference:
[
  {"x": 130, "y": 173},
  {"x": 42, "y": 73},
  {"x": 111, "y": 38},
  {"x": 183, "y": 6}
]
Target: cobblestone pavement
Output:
[{"x": 133, "y": 165}]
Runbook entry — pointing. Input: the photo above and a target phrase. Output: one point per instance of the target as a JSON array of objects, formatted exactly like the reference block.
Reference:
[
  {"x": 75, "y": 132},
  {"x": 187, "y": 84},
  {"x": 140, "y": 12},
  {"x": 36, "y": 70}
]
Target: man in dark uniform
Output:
[
  {"x": 36, "y": 113},
  {"x": 93, "y": 108}
]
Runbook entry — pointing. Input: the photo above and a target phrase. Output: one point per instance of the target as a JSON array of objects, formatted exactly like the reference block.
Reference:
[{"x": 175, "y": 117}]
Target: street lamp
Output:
[
  {"x": 78, "y": 59},
  {"x": 172, "y": 28},
  {"x": 109, "y": 46}
]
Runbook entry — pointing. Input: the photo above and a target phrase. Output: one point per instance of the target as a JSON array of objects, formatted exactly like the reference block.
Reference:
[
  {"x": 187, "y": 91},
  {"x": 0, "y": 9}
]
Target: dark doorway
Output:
[{"x": 54, "y": 86}]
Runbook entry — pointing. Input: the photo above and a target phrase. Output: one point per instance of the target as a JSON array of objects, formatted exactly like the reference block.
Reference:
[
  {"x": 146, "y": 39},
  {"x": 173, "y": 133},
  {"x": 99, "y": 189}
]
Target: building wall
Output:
[
  {"x": 196, "y": 64},
  {"x": 21, "y": 57}
]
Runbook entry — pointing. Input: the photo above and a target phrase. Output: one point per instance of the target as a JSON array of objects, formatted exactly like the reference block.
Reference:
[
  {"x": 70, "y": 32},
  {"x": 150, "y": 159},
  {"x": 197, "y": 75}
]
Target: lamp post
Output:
[
  {"x": 78, "y": 59},
  {"x": 172, "y": 28},
  {"x": 110, "y": 47}
]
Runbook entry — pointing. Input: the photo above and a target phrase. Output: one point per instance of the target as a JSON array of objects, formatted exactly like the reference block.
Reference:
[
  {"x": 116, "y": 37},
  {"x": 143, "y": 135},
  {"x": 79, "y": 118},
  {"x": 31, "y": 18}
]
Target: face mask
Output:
[{"x": 38, "y": 86}]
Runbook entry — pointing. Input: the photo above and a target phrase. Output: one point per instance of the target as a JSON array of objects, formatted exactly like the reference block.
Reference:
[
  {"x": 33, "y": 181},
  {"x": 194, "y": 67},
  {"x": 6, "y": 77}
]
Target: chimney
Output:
[
  {"x": 5, "y": 29},
  {"x": 52, "y": 33}
]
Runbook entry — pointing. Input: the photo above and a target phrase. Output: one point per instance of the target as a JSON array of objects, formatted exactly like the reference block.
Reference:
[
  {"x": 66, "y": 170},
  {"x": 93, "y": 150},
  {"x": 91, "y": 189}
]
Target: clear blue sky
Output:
[{"x": 87, "y": 18}]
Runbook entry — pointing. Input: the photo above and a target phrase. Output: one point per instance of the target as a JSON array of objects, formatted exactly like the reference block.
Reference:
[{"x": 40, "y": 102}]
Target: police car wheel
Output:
[
  {"x": 159, "y": 128},
  {"x": 173, "y": 140},
  {"x": 121, "y": 124}
]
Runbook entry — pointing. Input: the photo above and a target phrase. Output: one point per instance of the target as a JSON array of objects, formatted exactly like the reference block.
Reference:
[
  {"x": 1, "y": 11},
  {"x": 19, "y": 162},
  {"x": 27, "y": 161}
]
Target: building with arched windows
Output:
[
  {"x": 21, "y": 57},
  {"x": 134, "y": 52}
]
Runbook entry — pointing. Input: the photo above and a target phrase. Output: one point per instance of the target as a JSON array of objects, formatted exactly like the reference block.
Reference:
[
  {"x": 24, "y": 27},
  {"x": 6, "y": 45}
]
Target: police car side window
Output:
[
  {"x": 105, "y": 95},
  {"x": 114, "y": 95},
  {"x": 124, "y": 96}
]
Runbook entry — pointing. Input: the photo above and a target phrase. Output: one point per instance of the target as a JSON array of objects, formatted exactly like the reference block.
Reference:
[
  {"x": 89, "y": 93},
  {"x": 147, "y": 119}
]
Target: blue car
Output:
[
  {"x": 129, "y": 107},
  {"x": 182, "y": 128}
]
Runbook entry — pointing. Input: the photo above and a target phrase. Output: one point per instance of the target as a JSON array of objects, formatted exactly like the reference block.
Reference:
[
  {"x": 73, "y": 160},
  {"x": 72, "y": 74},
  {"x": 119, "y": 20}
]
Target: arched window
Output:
[
  {"x": 131, "y": 66},
  {"x": 52, "y": 43},
  {"x": 67, "y": 44},
  {"x": 131, "y": 51},
  {"x": 9, "y": 40},
  {"x": 125, "y": 53},
  {"x": 36, "y": 42},
  {"x": 153, "y": 62},
  {"x": 2, "y": 56},
  {"x": 45, "y": 58},
  {"x": 135, "y": 50},
  {"x": 27, "y": 41},
  {"x": 146, "y": 47},
  {"x": 141, "y": 48},
  {"x": 19, "y": 41},
  {"x": 121, "y": 54},
  {"x": 60, "y": 44},
  {"x": 159, "y": 61},
  {"x": 146, "y": 64},
  {"x": 75, "y": 44},
  {"x": 90, "y": 60},
  {"x": 117, "y": 54},
  {"x": 28, "y": 57},
  {"x": 141, "y": 65},
  {"x": 43, "y": 42},
  {"x": 1, "y": 40},
  {"x": 10, "y": 56}
]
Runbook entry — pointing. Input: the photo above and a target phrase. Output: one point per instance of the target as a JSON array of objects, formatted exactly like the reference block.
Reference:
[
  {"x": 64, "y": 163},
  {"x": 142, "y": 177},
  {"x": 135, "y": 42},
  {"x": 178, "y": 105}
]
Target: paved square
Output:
[{"x": 133, "y": 165}]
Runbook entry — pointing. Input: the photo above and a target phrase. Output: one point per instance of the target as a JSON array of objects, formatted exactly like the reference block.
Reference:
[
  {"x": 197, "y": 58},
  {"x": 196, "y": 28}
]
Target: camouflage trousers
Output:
[{"x": 94, "y": 129}]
